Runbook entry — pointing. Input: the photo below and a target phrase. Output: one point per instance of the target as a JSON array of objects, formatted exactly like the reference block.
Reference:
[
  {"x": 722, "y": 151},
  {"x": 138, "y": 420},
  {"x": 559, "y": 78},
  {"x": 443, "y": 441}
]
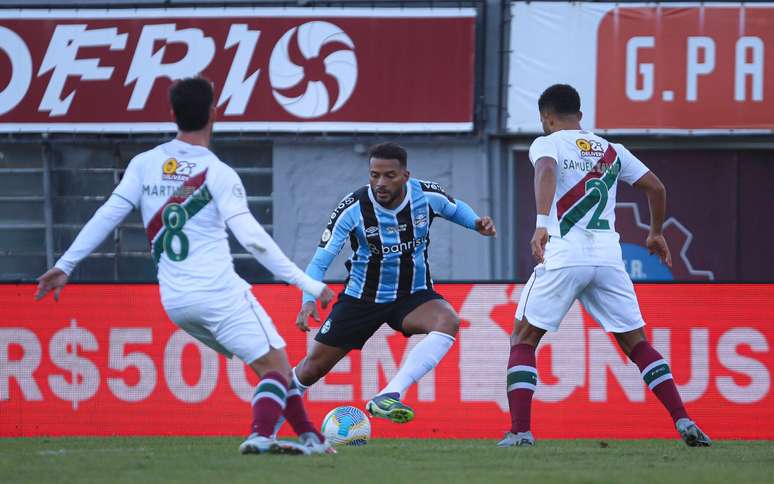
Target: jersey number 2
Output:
[
  {"x": 174, "y": 217},
  {"x": 598, "y": 186}
]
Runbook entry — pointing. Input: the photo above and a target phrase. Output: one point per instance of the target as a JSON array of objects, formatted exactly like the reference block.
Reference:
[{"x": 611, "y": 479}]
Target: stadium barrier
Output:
[{"x": 105, "y": 360}]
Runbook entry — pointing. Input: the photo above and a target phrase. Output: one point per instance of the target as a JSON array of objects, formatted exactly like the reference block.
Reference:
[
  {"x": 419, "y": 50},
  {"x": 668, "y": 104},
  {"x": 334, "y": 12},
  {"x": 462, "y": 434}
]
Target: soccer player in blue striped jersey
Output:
[{"x": 387, "y": 223}]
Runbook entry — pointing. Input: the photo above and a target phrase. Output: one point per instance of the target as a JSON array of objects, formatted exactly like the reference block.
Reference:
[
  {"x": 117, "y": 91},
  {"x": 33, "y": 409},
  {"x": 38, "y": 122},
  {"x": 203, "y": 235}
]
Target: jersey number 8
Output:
[{"x": 174, "y": 217}]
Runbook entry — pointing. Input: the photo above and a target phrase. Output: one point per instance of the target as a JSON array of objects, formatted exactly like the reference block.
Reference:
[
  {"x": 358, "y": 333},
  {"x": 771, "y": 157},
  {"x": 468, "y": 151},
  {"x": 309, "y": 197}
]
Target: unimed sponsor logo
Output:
[
  {"x": 688, "y": 67},
  {"x": 105, "y": 360}
]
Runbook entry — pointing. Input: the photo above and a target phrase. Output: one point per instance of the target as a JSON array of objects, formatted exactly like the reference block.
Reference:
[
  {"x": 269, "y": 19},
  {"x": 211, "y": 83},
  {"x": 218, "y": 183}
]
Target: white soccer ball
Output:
[{"x": 347, "y": 426}]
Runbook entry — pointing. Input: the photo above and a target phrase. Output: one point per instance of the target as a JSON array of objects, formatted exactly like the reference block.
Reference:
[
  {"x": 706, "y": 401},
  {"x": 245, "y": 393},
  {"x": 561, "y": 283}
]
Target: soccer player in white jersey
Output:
[
  {"x": 579, "y": 257},
  {"x": 187, "y": 198}
]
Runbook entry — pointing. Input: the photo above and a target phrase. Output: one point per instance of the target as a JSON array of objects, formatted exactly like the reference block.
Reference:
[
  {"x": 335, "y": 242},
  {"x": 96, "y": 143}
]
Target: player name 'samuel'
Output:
[{"x": 599, "y": 166}]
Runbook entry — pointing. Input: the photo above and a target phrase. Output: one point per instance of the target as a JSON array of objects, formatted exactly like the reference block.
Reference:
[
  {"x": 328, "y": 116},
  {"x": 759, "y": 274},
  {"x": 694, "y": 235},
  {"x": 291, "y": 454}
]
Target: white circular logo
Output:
[
  {"x": 313, "y": 69},
  {"x": 326, "y": 236},
  {"x": 326, "y": 327}
]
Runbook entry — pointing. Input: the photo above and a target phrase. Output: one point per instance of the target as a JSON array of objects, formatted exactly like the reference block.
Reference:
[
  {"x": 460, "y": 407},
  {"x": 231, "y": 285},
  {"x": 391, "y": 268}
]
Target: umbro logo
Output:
[{"x": 372, "y": 231}]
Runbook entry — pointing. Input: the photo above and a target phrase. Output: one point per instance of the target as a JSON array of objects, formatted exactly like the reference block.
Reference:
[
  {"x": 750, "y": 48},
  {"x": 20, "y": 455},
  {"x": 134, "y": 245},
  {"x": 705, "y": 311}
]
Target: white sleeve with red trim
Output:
[
  {"x": 632, "y": 169},
  {"x": 255, "y": 240},
  {"x": 227, "y": 191},
  {"x": 104, "y": 221}
]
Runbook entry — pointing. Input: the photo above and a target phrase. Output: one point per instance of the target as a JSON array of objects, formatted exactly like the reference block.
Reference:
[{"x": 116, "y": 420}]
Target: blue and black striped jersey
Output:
[{"x": 389, "y": 247}]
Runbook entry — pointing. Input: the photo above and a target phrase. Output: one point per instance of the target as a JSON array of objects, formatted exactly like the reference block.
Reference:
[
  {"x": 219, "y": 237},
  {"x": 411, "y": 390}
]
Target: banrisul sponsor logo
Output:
[{"x": 400, "y": 248}]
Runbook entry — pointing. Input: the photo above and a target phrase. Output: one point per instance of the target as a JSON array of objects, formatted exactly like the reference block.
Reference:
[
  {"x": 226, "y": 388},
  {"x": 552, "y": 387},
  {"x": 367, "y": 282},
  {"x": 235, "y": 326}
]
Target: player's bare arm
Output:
[
  {"x": 54, "y": 279},
  {"x": 545, "y": 187},
  {"x": 486, "y": 226},
  {"x": 656, "y": 193},
  {"x": 309, "y": 309}
]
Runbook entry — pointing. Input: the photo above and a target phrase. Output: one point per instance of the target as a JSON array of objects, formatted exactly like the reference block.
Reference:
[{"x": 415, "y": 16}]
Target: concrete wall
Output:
[{"x": 310, "y": 178}]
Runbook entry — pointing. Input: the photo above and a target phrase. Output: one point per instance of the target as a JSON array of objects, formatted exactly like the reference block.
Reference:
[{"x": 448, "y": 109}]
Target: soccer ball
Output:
[{"x": 347, "y": 426}]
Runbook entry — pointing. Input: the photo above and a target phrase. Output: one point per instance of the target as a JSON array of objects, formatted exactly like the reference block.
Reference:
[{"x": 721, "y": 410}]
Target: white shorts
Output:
[
  {"x": 235, "y": 324},
  {"x": 607, "y": 293}
]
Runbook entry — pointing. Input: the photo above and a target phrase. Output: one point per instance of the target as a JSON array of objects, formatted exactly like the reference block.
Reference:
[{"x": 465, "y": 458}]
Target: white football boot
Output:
[
  {"x": 258, "y": 444},
  {"x": 521, "y": 439},
  {"x": 311, "y": 440},
  {"x": 692, "y": 434}
]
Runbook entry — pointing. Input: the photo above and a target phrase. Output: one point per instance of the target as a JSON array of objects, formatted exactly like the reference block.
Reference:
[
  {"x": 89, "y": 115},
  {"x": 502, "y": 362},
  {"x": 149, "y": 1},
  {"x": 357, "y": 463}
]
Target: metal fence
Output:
[{"x": 51, "y": 186}]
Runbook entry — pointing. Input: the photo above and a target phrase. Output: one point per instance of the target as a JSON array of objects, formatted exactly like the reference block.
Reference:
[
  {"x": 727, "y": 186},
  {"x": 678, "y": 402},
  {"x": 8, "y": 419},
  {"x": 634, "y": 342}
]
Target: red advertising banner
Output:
[
  {"x": 645, "y": 68},
  {"x": 660, "y": 67},
  {"x": 291, "y": 69},
  {"x": 106, "y": 361}
]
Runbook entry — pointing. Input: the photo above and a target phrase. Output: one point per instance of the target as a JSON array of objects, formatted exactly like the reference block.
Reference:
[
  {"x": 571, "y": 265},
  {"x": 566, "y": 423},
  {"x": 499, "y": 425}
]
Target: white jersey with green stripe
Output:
[
  {"x": 582, "y": 217},
  {"x": 186, "y": 195}
]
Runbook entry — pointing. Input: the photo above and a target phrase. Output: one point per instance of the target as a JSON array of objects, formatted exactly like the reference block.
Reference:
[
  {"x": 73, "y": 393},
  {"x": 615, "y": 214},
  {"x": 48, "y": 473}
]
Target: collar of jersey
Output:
[
  {"x": 391, "y": 210},
  {"x": 177, "y": 145}
]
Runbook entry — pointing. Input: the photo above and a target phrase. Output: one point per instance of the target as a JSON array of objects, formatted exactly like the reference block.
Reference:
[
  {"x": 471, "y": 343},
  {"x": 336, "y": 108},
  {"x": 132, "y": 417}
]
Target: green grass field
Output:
[{"x": 194, "y": 460}]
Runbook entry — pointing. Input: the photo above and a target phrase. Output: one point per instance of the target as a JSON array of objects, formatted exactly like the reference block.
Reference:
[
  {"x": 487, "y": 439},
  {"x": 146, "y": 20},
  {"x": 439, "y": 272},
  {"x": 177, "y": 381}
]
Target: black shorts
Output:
[{"x": 352, "y": 321}]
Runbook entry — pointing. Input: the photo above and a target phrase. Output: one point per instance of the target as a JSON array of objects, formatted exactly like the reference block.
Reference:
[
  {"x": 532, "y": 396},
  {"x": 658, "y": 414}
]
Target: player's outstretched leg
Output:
[
  {"x": 423, "y": 357},
  {"x": 657, "y": 375},
  {"x": 437, "y": 319}
]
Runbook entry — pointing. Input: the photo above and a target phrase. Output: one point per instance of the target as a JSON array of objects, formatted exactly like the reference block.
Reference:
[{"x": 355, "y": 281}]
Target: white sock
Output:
[
  {"x": 300, "y": 386},
  {"x": 424, "y": 357}
]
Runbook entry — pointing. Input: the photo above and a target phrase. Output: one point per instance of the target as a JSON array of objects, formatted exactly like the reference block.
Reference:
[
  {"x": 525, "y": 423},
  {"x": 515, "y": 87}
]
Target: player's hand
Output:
[
  {"x": 308, "y": 309},
  {"x": 485, "y": 226},
  {"x": 538, "y": 244},
  {"x": 656, "y": 244},
  {"x": 54, "y": 279},
  {"x": 326, "y": 297}
]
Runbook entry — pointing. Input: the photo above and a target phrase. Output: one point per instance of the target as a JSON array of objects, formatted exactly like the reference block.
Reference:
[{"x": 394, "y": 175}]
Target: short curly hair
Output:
[
  {"x": 389, "y": 151},
  {"x": 560, "y": 99}
]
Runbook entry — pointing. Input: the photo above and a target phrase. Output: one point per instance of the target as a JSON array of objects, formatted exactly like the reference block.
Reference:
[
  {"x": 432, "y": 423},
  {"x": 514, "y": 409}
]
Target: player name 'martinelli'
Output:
[{"x": 168, "y": 190}]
